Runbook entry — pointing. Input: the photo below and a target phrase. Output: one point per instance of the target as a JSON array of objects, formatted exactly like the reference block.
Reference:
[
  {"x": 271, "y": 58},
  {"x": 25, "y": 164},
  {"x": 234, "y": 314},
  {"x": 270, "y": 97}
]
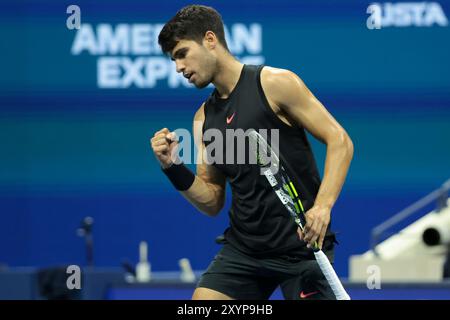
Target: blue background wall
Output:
[{"x": 71, "y": 149}]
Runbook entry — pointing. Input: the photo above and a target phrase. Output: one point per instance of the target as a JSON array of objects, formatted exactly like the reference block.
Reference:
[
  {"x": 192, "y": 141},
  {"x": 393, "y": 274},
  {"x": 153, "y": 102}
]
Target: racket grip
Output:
[{"x": 331, "y": 276}]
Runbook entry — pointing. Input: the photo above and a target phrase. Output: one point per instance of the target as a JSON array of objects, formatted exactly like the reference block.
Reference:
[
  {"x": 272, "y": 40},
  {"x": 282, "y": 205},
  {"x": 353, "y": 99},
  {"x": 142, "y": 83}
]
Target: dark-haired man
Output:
[{"x": 262, "y": 249}]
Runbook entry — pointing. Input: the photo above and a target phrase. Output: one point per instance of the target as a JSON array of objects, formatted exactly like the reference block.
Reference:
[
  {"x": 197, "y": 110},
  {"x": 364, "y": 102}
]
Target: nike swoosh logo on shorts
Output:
[{"x": 306, "y": 295}]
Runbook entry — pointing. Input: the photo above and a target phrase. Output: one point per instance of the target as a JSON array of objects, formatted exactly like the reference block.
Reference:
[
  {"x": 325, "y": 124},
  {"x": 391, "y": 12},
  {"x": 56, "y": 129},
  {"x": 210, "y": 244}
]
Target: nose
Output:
[{"x": 179, "y": 66}]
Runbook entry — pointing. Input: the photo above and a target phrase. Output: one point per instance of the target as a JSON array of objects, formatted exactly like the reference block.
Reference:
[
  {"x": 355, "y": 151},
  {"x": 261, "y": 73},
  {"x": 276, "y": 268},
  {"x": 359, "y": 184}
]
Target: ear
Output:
[{"x": 210, "y": 40}]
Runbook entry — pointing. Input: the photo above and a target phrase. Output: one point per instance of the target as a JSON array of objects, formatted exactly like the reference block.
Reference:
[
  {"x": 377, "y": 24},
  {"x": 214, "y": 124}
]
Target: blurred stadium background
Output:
[{"x": 77, "y": 109}]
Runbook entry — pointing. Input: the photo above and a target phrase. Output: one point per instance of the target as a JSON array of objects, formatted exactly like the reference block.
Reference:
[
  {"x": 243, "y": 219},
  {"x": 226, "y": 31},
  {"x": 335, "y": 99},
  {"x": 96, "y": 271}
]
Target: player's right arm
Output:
[{"x": 207, "y": 192}]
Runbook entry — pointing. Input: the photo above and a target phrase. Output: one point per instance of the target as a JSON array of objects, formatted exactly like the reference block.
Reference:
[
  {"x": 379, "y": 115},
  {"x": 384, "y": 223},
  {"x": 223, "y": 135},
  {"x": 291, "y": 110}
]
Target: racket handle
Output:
[{"x": 331, "y": 276}]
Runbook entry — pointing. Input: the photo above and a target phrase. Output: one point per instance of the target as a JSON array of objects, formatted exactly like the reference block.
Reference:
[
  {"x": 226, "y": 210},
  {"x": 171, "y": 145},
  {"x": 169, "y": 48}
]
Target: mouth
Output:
[{"x": 188, "y": 76}]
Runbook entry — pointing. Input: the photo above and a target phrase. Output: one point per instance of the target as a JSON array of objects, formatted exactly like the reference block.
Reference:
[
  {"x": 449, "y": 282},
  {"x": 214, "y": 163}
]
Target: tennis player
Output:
[{"x": 262, "y": 248}]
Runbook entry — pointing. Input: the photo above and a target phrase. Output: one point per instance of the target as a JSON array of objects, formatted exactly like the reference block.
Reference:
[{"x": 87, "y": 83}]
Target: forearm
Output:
[
  {"x": 206, "y": 197},
  {"x": 338, "y": 157}
]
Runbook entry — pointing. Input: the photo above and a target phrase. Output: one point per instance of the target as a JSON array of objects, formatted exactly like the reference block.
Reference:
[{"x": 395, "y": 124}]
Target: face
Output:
[{"x": 195, "y": 61}]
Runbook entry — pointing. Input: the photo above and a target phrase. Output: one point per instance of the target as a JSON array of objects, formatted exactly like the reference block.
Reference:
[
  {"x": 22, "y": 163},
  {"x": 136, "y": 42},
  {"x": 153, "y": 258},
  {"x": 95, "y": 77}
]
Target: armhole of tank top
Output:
[
  {"x": 268, "y": 109},
  {"x": 205, "y": 111},
  {"x": 204, "y": 116}
]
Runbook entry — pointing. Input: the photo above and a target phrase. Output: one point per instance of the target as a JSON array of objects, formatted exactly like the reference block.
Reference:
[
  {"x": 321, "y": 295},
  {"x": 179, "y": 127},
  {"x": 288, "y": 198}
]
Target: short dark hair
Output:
[{"x": 191, "y": 23}]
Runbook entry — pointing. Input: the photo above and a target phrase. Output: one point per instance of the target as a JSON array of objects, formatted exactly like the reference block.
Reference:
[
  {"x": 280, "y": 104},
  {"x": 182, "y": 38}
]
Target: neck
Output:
[{"x": 227, "y": 75}]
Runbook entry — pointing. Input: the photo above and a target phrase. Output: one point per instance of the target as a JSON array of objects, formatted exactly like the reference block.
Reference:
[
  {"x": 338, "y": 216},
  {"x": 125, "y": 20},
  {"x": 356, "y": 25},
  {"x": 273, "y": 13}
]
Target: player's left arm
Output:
[{"x": 288, "y": 94}]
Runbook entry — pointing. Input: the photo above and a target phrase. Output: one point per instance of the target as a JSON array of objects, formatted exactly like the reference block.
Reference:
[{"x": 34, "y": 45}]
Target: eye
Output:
[{"x": 182, "y": 53}]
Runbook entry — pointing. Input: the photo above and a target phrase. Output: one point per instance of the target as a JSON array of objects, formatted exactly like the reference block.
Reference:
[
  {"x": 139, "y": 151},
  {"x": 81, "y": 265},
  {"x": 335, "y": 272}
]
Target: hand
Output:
[
  {"x": 317, "y": 220},
  {"x": 164, "y": 144}
]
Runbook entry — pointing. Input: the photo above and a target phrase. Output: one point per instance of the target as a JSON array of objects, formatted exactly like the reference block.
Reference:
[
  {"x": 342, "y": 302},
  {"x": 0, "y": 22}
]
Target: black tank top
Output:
[{"x": 259, "y": 223}]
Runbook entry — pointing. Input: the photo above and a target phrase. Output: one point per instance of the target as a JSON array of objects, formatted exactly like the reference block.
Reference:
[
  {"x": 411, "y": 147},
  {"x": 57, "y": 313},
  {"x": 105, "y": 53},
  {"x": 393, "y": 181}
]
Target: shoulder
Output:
[
  {"x": 281, "y": 84},
  {"x": 276, "y": 77}
]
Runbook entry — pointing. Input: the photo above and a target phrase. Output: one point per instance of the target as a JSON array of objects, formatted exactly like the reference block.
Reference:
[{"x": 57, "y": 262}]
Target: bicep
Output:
[
  {"x": 205, "y": 171},
  {"x": 310, "y": 113},
  {"x": 294, "y": 98}
]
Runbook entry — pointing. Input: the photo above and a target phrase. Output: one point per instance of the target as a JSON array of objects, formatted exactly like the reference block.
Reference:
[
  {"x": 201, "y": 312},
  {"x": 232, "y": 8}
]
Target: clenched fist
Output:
[{"x": 164, "y": 144}]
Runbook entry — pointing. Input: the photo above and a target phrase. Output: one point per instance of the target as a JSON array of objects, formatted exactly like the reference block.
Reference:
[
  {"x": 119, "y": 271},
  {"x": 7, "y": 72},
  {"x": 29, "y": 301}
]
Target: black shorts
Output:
[{"x": 243, "y": 277}]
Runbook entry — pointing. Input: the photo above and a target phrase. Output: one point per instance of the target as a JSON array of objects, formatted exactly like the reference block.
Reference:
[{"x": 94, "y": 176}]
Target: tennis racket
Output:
[{"x": 277, "y": 177}]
